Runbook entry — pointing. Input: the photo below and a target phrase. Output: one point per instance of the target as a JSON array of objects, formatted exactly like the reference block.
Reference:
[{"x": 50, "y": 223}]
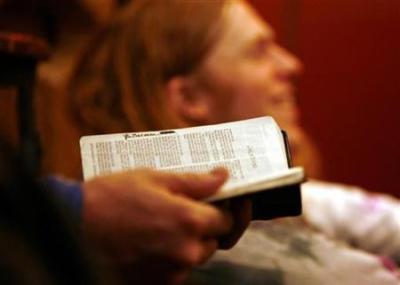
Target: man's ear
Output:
[{"x": 190, "y": 102}]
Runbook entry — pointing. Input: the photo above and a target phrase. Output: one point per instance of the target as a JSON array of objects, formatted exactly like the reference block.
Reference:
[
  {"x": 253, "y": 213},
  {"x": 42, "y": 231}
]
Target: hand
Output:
[
  {"x": 241, "y": 211},
  {"x": 148, "y": 223}
]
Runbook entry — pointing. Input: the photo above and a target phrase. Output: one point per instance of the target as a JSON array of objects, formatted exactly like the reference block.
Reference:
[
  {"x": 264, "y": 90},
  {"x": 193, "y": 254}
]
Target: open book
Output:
[{"x": 254, "y": 151}]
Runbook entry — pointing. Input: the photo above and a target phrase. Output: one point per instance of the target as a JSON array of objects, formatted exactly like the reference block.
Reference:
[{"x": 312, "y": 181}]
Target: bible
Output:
[{"x": 255, "y": 152}]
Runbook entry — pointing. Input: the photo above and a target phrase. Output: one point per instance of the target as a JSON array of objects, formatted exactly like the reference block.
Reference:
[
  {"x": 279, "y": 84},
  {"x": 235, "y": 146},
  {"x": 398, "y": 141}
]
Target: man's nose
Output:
[{"x": 288, "y": 64}]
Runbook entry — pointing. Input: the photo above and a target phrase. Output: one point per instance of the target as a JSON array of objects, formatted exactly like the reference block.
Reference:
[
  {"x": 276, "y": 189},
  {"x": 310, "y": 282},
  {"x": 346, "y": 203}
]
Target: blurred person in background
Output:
[{"x": 204, "y": 62}]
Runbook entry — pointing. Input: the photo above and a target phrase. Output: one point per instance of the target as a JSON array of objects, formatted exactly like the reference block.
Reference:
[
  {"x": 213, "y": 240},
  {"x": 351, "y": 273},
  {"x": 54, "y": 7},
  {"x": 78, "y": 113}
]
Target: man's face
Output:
[{"x": 247, "y": 73}]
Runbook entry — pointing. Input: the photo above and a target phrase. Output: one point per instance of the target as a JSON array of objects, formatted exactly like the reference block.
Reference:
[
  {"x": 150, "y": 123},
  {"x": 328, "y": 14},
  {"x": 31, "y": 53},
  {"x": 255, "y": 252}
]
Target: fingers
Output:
[
  {"x": 203, "y": 219},
  {"x": 200, "y": 218},
  {"x": 241, "y": 210},
  {"x": 196, "y": 252},
  {"x": 209, "y": 248},
  {"x": 196, "y": 186}
]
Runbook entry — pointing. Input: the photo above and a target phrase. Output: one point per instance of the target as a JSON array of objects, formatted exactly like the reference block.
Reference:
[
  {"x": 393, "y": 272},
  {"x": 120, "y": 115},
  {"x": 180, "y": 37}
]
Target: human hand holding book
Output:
[{"x": 254, "y": 151}]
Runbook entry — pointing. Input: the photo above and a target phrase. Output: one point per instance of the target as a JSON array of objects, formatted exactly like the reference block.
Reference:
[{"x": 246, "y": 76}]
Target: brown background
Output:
[{"x": 350, "y": 91}]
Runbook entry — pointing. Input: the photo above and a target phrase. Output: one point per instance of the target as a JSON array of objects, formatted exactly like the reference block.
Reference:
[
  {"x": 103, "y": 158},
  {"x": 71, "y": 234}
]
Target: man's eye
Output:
[{"x": 259, "y": 50}]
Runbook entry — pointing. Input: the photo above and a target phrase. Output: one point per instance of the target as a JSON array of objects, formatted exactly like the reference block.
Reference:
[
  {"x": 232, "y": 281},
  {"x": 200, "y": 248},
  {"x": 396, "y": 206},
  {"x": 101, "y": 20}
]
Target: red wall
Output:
[{"x": 350, "y": 91}]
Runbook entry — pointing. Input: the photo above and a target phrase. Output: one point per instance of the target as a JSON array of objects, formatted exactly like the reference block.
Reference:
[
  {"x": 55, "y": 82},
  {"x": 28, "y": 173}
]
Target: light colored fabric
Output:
[
  {"x": 345, "y": 236},
  {"x": 286, "y": 252},
  {"x": 365, "y": 220}
]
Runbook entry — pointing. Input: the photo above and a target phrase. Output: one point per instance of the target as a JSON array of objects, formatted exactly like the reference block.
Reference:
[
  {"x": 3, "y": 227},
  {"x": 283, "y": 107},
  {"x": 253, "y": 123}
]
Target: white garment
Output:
[
  {"x": 365, "y": 220},
  {"x": 342, "y": 238}
]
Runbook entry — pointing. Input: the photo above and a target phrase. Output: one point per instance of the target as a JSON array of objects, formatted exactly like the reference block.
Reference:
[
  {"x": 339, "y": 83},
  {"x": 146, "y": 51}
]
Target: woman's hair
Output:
[{"x": 118, "y": 82}]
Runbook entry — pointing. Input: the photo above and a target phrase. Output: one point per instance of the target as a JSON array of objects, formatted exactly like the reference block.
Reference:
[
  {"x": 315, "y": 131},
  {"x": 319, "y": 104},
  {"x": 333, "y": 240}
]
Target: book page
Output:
[{"x": 249, "y": 149}]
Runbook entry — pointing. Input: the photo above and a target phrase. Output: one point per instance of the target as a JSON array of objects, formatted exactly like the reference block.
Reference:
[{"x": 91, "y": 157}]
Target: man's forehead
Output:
[{"x": 242, "y": 26}]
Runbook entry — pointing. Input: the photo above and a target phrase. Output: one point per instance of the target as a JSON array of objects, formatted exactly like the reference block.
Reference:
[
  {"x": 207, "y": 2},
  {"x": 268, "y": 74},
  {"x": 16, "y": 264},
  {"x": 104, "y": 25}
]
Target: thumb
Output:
[{"x": 197, "y": 186}]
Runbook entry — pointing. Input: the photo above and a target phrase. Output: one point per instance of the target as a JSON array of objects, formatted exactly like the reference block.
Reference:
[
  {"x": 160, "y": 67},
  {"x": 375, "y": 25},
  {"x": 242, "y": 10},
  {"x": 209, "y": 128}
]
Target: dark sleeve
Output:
[{"x": 68, "y": 192}]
